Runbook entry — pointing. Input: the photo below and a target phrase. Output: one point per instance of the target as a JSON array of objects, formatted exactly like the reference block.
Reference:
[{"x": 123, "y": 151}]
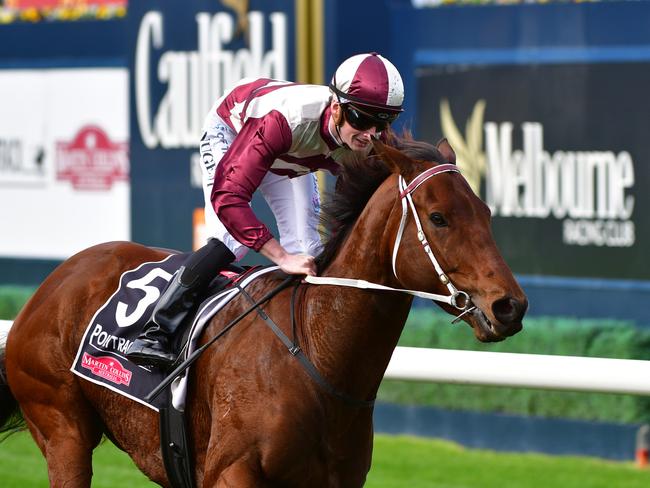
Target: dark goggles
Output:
[{"x": 362, "y": 120}]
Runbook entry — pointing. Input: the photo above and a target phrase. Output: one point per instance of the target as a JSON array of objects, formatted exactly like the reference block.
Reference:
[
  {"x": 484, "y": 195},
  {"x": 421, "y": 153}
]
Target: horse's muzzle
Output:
[{"x": 509, "y": 311}]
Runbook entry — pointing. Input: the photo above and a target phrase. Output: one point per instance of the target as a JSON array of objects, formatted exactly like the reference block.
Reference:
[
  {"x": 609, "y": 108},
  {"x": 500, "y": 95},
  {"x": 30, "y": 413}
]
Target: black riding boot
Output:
[{"x": 154, "y": 346}]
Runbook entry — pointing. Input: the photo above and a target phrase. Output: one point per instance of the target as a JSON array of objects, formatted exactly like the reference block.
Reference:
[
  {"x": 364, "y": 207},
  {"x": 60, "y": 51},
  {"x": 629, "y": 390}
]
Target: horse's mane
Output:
[{"x": 355, "y": 185}]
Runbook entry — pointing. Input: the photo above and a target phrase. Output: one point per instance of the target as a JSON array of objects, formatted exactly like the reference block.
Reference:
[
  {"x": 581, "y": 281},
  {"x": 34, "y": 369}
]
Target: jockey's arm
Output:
[
  {"x": 239, "y": 174},
  {"x": 241, "y": 171}
]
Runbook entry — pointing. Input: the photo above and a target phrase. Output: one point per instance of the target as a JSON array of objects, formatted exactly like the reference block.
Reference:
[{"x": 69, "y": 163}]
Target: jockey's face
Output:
[{"x": 357, "y": 140}]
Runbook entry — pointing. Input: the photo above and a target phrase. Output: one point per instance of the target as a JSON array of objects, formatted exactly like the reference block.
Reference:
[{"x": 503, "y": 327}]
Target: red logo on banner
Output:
[
  {"x": 108, "y": 368},
  {"x": 92, "y": 161}
]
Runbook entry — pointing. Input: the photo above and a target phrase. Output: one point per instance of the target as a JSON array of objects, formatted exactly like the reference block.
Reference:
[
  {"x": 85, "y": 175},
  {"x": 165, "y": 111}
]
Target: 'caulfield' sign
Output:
[{"x": 184, "y": 55}]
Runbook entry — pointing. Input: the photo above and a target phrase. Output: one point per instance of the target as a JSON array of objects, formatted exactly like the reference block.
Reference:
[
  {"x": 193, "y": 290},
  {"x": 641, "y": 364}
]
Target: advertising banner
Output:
[
  {"x": 559, "y": 152},
  {"x": 64, "y": 162},
  {"x": 33, "y": 11},
  {"x": 184, "y": 55}
]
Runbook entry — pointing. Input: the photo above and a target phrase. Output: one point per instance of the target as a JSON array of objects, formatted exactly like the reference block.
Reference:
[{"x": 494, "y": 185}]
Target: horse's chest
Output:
[{"x": 317, "y": 461}]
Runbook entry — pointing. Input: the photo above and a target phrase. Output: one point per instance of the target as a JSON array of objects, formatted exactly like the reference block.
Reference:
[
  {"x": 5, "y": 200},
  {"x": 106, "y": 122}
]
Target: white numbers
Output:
[{"x": 151, "y": 295}]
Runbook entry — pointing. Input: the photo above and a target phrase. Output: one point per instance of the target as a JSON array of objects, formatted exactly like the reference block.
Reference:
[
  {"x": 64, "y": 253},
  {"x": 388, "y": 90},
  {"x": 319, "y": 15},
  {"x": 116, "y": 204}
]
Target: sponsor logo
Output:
[
  {"x": 588, "y": 190},
  {"x": 196, "y": 79},
  {"x": 19, "y": 164},
  {"x": 108, "y": 368},
  {"x": 91, "y": 161}
]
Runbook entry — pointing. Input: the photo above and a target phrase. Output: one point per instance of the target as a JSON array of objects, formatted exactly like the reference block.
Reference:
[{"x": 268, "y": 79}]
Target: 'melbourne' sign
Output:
[{"x": 587, "y": 188}]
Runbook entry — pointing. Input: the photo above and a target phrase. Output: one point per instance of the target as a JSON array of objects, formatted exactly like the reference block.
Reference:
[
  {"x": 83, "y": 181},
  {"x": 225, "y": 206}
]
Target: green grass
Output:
[
  {"x": 23, "y": 466},
  {"x": 398, "y": 462},
  {"x": 422, "y": 463}
]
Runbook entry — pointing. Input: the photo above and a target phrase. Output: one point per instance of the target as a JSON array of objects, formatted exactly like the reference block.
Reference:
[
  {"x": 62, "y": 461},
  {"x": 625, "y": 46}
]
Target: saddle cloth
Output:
[{"x": 101, "y": 355}]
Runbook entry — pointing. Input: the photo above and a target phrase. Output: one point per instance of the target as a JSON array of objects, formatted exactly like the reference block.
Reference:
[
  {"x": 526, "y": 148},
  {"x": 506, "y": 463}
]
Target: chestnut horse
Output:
[{"x": 255, "y": 417}]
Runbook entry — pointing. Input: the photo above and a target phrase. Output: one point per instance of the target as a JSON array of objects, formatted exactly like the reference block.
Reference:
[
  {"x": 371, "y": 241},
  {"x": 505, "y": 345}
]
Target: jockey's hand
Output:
[
  {"x": 298, "y": 264},
  {"x": 289, "y": 263}
]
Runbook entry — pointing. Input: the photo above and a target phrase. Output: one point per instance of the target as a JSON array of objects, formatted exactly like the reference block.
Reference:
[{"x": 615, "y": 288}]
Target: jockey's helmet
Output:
[{"x": 370, "y": 82}]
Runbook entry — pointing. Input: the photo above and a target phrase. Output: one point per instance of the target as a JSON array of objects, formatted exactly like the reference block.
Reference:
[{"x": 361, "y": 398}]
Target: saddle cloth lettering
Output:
[{"x": 101, "y": 356}]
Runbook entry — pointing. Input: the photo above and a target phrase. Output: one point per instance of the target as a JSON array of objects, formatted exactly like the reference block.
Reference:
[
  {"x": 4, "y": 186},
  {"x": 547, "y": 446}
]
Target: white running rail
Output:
[
  {"x": 5, "y": 325},
  {"x": 521, "y": 370},
  {"x": 509, "y": 369}
]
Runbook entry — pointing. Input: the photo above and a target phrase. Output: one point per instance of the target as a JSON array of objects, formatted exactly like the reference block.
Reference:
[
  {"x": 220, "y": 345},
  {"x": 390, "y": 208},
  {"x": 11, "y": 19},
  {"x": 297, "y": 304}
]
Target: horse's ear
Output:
[
  {"x": 446, "y": 150},
  {"x": 396, "y": 161}
]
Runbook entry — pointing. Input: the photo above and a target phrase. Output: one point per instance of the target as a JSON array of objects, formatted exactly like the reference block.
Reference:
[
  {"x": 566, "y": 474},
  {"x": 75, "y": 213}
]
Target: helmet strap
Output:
[
  {"x": 338, "y": 133},
  {"x": 338, "y": 122}
]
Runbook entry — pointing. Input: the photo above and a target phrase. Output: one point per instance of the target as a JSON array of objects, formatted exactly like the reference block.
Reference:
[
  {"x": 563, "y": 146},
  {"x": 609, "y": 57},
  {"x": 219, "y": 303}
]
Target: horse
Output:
[{"x": 255, "y": 417}]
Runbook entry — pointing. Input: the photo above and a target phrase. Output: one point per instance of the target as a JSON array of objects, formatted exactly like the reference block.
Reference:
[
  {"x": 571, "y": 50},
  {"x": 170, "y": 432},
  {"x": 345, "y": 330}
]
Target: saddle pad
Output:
[
  {"x": 100, "y": 358},
  {"x": 101, "y": 355}
]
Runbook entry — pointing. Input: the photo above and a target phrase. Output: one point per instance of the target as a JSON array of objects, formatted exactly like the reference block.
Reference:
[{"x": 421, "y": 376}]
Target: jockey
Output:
[{"x": 272, "y": 135}]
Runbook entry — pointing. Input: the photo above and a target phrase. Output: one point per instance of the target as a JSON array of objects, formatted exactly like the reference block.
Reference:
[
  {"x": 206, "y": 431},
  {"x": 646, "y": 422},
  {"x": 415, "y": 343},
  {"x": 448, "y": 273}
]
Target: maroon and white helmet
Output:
[{"x": 369, "y": 80}]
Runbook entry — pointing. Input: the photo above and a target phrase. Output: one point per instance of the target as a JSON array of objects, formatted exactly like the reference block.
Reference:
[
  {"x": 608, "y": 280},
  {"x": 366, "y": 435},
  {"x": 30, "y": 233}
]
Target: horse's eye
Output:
[{"x": 438, "y": 219}]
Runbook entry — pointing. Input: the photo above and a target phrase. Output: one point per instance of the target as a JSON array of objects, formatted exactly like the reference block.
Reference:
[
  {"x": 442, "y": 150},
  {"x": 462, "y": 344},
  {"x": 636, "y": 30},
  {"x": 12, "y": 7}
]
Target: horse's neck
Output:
[{"x": 353, "y": 332}]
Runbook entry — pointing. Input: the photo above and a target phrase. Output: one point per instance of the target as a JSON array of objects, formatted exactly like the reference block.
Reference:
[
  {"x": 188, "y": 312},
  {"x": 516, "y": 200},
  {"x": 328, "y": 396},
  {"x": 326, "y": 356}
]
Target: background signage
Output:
[
  {"x": 64, "y": 162},
  {"x": 558, "y": 152},
  {"x": 185, "y": 55}
]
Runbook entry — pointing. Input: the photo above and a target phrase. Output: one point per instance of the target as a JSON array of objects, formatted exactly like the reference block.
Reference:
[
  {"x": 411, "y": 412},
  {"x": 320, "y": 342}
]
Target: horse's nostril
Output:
[{"x": 508, "y": 310}]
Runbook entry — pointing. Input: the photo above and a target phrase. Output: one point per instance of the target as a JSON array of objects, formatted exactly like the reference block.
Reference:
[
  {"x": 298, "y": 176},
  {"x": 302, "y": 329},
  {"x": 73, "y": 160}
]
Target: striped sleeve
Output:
[{"x": 240, "y": 172}]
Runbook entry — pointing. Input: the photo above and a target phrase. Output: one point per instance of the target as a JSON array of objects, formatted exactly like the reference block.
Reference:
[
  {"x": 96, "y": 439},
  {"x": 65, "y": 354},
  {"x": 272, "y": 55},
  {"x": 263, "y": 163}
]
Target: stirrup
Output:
[{"x": 145, "y": 353}]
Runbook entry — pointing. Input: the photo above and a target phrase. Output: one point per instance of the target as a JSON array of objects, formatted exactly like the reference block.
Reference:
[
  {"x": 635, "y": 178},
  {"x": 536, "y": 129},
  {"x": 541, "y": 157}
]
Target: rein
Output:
[{"x": 456, "y": 298}]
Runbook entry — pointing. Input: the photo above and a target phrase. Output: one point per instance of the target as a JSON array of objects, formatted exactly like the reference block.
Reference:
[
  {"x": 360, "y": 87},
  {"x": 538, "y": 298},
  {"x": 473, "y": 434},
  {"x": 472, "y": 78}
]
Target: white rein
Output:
[{"x": 407, "y": 202}]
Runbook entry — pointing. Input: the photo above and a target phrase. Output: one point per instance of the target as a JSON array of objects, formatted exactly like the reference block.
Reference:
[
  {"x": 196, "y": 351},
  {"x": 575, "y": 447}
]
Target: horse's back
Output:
[{"x": 63, "y": 304}]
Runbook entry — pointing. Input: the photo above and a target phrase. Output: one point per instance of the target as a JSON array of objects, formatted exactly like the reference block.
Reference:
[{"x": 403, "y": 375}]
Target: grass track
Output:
[{"x": 398, "y": 462}]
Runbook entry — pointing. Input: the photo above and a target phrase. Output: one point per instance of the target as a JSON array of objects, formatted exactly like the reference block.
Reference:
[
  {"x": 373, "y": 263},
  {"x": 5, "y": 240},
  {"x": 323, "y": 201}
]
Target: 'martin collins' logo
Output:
[
  {"x": 587, "y": 190},
  {"x": 194, "y": 80}
]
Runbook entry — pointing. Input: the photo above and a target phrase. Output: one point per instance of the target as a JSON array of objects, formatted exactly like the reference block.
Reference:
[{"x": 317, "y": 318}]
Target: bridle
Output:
[
  {"x": 458, "y": 299},
  {"x": 405, "y": 192}
]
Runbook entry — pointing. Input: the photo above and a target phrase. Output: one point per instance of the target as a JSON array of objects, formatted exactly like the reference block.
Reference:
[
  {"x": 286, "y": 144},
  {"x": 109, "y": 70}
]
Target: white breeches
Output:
[{"x": 295, "y": 202}]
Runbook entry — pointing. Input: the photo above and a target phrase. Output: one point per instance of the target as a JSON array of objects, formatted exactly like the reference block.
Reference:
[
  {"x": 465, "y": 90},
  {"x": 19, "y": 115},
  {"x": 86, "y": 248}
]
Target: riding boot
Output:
[{"x": 155, "y": 345}]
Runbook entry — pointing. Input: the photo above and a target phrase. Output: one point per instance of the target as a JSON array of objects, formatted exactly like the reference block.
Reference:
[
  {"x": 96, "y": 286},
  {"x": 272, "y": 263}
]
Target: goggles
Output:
[{"x": 362, "y": 120}]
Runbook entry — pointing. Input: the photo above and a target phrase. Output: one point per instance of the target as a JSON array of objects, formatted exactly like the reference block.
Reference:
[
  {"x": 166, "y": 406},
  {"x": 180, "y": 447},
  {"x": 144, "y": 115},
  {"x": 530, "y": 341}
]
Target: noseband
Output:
[{"x": 456, "y": 298}]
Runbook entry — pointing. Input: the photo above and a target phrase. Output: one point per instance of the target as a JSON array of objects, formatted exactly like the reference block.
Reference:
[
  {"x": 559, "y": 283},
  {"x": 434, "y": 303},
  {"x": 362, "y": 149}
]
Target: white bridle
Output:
[
  {"x": 407, "y": 202},
  {"x": 405, "y": 192}
]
